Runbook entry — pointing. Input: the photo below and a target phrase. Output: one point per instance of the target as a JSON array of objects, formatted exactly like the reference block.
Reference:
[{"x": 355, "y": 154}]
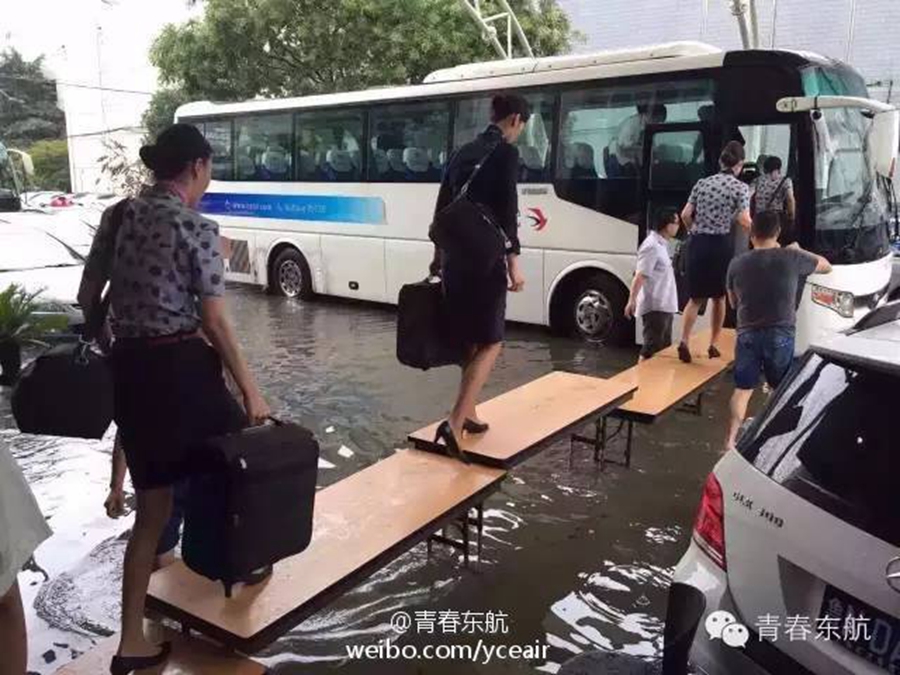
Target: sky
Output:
[{"x": 93, "y": 42}]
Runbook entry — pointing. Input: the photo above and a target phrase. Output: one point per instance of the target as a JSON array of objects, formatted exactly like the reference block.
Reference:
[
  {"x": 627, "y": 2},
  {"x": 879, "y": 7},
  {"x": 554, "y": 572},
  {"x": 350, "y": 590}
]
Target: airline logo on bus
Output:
[
  {"x": 536, "y": 219},
  {"x": 326, "y": 208}
]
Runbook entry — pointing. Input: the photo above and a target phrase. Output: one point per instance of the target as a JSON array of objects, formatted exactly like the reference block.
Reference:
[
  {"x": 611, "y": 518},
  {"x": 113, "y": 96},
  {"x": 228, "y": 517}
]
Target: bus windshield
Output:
[{"x": 852, "y": 201}]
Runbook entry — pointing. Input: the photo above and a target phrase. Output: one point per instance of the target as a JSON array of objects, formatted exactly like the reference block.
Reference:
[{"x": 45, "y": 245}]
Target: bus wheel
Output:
[
  {"x": 596, "y": 310},
  {"x": 290, "y": 276}
]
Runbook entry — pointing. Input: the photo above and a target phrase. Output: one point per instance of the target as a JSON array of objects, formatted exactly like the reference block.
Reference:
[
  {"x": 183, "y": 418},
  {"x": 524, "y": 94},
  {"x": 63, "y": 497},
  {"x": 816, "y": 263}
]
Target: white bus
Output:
[{"x": 333, "y": 194}]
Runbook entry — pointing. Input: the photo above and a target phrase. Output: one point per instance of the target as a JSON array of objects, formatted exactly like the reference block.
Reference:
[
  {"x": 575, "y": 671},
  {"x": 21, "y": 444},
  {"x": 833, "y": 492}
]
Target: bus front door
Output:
[{"x": 675, "y": 158}]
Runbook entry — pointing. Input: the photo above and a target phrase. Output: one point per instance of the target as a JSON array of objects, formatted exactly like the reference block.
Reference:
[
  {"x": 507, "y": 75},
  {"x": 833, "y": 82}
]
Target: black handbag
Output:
[
  {"x": 467, "y": 230},
  {"x": 68, "y": 390},
  {"x": 252, "y": 504},
  {"x": 423, "y": 338}
]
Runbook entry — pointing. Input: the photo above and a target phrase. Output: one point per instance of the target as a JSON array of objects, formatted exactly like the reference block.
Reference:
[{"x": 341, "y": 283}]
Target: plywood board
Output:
[
  {"x": 190, "y": 656},
  {"x": 664, "y": 382},
  {"x": 700, "y": 345},
  {"x": 360, "y": 524},
  {"x": 525, "y": 417}
]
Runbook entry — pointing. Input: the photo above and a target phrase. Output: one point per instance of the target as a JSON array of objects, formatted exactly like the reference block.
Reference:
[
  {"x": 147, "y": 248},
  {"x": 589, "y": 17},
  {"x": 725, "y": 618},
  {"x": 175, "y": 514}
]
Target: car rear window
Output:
[{"x": 826, "y": 437}]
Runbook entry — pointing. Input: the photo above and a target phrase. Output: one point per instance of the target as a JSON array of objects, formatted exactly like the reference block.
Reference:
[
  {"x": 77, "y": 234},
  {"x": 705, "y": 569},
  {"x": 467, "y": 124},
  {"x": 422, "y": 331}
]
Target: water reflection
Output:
[{"x": 579, "y": 559}]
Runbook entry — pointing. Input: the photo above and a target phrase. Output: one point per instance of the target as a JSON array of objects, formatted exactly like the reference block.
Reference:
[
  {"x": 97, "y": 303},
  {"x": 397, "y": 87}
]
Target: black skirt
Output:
[
  {"x": 475, "y": 304},
  {"x": 168, "y": 398},
  {"x": 707, "y": 265}
]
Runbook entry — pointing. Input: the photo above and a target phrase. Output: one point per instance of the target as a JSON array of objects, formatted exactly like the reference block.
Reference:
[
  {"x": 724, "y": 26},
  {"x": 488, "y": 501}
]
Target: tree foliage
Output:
[
  {"x": 28, "y": 110},
  {"x": 51, "y": 164},
  {"x": 161, "y": 111},
  {"x": 246, "y": 48},
  {"x": 126, "y": 174}
]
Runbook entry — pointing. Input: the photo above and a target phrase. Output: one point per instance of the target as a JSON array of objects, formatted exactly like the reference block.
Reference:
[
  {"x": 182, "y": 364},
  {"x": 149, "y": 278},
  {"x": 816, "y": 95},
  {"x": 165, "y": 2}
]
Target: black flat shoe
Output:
[
  {"x": 473, "y": 427},
  {"x": 713, "y": 352},
  {"x": 124, "y": 665},
  {"x": 445, "y": 433},
  {"x": 684, "y": 353}
]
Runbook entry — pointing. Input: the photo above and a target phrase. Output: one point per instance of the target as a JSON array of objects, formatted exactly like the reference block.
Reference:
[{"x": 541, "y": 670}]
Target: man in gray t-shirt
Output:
[{"x": 763, "y": 285}]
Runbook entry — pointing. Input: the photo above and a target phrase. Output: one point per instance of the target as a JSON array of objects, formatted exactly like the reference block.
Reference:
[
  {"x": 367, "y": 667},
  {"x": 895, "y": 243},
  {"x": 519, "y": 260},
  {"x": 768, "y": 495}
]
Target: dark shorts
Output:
[
  {"x": 767, "y": 351},
  {"x": 169, "y": 398},
  {"x": 708, "y": 258},
  {"x": 657, "y": 332}
]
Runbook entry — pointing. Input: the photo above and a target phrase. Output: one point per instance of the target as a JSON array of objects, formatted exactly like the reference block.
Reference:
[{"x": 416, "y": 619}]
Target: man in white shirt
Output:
[
  {"x": 654, "y": 295},
  {"x": 630, "y": 134}
]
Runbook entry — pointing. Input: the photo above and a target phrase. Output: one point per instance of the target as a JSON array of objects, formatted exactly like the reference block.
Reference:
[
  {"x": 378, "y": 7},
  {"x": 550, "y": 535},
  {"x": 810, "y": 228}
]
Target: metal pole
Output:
[
  {"x": 488, "y": 32},
  {"x": 754, "y": 24},
  {"x": 523, "y": 39},
  {"x": 774, "y": 22},
  {"x": 739, "y": 10},
  {"x": 851, "y": 30}
]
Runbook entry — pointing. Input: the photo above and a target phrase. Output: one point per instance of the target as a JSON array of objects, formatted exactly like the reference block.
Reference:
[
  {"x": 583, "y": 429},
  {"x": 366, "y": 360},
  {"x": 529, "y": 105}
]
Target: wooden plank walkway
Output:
[
  {"x": 360, "y": 524},
  {"x": 663, "y": 382},
  {"x": 525, "y": 418},
  {"x": 190, "y": 656}
]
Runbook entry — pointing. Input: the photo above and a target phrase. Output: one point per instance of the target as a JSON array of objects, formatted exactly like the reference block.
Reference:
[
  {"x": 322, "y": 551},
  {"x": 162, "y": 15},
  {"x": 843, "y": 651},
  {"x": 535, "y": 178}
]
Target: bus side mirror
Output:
[{"x": 884, "y": 141}]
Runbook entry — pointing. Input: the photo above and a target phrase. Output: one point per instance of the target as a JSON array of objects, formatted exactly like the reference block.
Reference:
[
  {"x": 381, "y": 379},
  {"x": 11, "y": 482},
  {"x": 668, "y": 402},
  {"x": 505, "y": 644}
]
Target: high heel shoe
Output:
[
  {"x": 714, "y": 352},
  {"x": 472, "y": 427},
  {"x": 125, "y": 665},
  {"x": 445, "y": 433}
]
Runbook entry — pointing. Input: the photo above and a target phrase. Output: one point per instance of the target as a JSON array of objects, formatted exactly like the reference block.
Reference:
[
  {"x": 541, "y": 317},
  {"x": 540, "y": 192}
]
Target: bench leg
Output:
[
  {"x": 629, "y": 443},
  {"x": 695, "y": 408},
  {"x": 480, "y": 509},
  {"x": 598, "y": 442},
  {"x": 600, "y": 439}
]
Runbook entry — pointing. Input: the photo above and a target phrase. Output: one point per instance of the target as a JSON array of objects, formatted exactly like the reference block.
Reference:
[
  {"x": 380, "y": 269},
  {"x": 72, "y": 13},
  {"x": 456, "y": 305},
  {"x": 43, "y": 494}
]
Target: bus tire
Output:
[
  {"x": 592, "y": 307},
  {"x": 289, "y": 275}
]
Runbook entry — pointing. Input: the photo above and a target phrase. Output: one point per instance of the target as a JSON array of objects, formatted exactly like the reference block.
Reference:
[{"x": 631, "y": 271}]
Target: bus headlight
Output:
[{"x": 842, "y": 302}]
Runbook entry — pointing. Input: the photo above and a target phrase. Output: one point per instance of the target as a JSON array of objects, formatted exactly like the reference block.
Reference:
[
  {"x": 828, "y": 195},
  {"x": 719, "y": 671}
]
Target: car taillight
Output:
[
  {"x": 709, "y": 528},
  {"x": 841, "y": 302}
]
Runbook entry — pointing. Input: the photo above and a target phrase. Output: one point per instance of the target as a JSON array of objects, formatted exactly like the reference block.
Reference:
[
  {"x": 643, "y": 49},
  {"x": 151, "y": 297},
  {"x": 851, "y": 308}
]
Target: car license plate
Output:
[{"x": 871, "y": 634}]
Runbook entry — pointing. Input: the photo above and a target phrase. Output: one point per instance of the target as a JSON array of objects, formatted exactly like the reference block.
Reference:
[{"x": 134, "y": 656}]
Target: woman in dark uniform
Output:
[
  {"x": 476, "y": 302},
  {"x": 163, "y": 261},
  {"x": 715, "y": 204}
]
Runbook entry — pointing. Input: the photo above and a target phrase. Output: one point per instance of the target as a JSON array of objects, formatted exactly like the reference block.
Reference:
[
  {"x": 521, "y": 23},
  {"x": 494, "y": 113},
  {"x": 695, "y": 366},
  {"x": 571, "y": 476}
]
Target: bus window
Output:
[
  {"x": 409, "y": 142},
  {"x": 329, "y": 145},
  {"x": 473, "y": 115},
  {"x": 219, "y": 136},
  {"x": 676, "y": 160},
  {"x": 263, "y": 149}
]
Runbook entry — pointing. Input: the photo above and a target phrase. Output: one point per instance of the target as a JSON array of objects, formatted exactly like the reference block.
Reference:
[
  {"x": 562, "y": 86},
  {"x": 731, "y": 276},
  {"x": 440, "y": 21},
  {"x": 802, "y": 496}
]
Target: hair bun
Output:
[{"x": 149, "y": 156}]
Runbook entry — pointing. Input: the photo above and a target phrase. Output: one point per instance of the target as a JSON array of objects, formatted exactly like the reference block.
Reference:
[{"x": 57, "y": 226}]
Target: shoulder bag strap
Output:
[
  {"x": 775, "y": 194},
  {"x": 468, "y": 183},
  {"x": 94, "y": 326}
]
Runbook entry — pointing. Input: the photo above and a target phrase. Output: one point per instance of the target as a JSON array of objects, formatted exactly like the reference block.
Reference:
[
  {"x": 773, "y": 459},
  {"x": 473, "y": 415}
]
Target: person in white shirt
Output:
[
  {"x": 630, "y": 134},
  {"x": 654, "y": 295}
]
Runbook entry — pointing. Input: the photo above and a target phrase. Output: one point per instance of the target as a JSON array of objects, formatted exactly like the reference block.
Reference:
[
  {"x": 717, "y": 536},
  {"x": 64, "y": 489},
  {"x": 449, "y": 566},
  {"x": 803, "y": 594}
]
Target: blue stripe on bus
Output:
[{"x": 327, "y": 208}]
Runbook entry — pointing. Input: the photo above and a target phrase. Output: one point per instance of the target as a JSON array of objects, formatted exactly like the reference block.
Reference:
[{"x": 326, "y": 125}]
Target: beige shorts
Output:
[{"x": 22, "y": 527}]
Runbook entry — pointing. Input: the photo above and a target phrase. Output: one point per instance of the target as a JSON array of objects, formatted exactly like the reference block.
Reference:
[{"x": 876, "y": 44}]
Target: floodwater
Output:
[{"x": 573, "y": 559}]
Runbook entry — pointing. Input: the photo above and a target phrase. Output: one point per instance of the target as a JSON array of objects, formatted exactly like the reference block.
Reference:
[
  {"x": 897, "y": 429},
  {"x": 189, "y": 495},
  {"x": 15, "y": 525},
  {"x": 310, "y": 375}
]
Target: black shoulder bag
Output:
[
  {"x": 467, "y": 231},
  {"x": 68, "y": 390}
]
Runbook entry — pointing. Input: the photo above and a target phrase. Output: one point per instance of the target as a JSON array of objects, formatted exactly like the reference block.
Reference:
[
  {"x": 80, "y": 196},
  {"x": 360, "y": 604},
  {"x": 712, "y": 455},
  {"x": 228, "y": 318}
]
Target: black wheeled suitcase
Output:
[
  {"x": 423, "y": 340},
  {"x": 252, "y": 505}
]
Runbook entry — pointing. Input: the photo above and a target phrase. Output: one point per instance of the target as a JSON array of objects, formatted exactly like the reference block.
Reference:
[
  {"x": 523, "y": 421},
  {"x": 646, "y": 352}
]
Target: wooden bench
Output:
[
  {"x": 360, "y": 524},
  {"x": 190, "y": 656},
  {"x": 663, "y": 384},
  {"x": 524, "y": 419}
]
